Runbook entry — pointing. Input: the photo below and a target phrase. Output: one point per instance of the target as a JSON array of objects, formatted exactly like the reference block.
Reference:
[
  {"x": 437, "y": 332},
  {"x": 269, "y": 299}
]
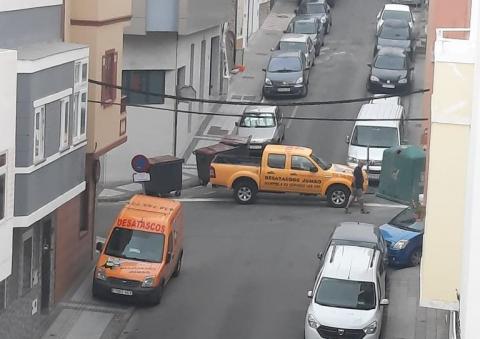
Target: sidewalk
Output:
[{"x": 244, "y": 86}]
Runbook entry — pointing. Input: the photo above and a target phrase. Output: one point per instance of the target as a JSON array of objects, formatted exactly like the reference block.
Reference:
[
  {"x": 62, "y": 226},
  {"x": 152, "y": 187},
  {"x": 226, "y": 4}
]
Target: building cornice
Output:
[{"x": 98, "y": 23}]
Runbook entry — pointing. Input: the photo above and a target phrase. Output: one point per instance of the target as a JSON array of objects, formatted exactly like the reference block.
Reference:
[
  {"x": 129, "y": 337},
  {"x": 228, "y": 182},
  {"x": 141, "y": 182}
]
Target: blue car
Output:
[{"x": 404, "y": 237}]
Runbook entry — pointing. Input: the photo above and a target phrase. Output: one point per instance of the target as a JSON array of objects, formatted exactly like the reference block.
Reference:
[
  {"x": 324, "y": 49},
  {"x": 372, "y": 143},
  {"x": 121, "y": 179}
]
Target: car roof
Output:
[
  {"x": 381, "y": 99},
  {"x": 395, "y": 23},
  {"x": 397, "y": 7},
  {"x": 260, "y": 109},
  {"x": 385, "y": 110},
  {"x": 304, "y": 17},
  {"x": 392, "y": 51},
  {"x": 294, "y": 37},
  {"x": 356, "y": 231},
  {"x": 285, "y": 54},
  {"x": 351, "y": 263}
]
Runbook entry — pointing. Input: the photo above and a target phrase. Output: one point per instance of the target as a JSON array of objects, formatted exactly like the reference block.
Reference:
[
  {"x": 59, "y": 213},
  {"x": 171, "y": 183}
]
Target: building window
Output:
[
  {"x": 146, "y": 81},
  {"x": 109, "y": 76},
  {"x": 79, "y": 116},
  {"x": 81, "y": 74},
  {"x": 3, "y": 178},
  {"x": 27, "y": 264},
  {"x": 39, "y": 134},
  {"x": 64, "y": 123},
  {"x": 3, "y": 295}
]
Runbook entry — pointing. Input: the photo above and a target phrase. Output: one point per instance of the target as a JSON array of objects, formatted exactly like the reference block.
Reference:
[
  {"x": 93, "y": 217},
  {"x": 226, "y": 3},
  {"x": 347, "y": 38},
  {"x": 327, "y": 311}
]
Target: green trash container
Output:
[{"x": 403, "y": 174}]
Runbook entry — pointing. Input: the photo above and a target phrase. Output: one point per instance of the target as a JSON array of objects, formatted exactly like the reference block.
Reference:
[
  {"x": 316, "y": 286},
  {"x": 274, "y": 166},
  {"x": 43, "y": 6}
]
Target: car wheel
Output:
[
  {"x": 304, "y": 91},
  {"x": 157, "y": 295},
  {"x": 416, "y": 257},
  {"x": 337, "y": 196},
  {"x": 245, "y": 192},
  {"x": 96, "y": 292},
  {"x": 178, "y": 267}
]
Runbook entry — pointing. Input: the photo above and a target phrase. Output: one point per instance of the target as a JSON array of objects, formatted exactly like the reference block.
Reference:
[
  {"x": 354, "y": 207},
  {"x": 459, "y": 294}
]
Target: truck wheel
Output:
[
  {"x": 179, "y": 265},
  {"x": 337, "y": 196},
  {"x": 245, "y": 192}
]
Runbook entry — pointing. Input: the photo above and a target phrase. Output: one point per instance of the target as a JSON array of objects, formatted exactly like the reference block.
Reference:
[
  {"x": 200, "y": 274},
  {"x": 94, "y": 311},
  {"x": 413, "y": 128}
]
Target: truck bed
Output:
[{"x": 232, "y": 159}]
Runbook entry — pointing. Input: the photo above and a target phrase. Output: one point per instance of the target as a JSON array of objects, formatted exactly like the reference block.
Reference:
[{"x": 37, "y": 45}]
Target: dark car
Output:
[
  {"x": 310, "y": 26},
  {"x": 319, "y": 9},
  {"x": 391, "y": 71},
  {"x": 396, "y": 33},
  {"x": 404, "y": 236},
  {"x": 287, "y": 74},
  {"x": 331, "y": 3},
  {"x": 355, "y": 234}
]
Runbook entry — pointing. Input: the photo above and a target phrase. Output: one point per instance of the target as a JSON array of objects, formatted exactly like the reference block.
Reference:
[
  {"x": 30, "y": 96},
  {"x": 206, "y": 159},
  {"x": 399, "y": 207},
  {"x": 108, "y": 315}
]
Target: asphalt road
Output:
[{"x": 246, "y": 268}]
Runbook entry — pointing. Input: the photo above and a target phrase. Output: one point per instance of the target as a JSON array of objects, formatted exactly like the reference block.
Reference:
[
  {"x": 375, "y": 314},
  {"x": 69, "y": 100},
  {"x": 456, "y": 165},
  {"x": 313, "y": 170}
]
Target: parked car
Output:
[
  {"x": 348, "y": 297},
  {"x": 264, "y": 124},
  {"x": 311, "y": 26},
  {"x": 415, "y": 3},
  {"x": 355, "y": 234},
  {"x": 319, "y": 9},
  {"x": 391, "y": 71},
  {"x": 371, "y": 136},
  {"x": 287, "y": 74},
  {"x": 331, "y": 3},
  {"x": 298, "y": 42},
  {"x": 404, "y": 237},
  {"x": 396, "y": 12},
  {"x": 396, "y": 33}
]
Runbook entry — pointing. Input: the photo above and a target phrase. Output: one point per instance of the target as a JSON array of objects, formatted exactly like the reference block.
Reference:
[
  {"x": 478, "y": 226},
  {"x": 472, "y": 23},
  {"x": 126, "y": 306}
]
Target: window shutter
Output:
[
  {"x": 114, "y": 75},
  {"x": 104, "y": 78}
]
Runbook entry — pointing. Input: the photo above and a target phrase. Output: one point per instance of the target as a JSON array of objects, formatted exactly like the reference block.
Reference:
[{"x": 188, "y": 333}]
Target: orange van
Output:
[{"x": 144, "y": 249}]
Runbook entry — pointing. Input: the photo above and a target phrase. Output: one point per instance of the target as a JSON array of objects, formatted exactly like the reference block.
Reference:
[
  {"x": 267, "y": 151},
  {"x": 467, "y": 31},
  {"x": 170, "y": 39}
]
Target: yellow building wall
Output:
[
  {"x": 449, "y": 146},
  {"x": 100, "y": 10}
]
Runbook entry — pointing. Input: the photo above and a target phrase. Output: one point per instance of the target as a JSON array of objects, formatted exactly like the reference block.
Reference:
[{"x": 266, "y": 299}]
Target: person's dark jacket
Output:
[{"x": 358, "y": 177}]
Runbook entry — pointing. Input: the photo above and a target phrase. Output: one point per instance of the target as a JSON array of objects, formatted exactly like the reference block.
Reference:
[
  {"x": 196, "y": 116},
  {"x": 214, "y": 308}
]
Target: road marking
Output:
[{"x": 294, "y": 113}]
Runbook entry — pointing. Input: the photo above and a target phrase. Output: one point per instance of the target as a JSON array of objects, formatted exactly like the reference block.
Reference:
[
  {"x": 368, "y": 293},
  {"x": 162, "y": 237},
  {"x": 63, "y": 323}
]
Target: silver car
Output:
[
  {"x": 264, "y": 124},
  {"x": 298, "y": 42}
]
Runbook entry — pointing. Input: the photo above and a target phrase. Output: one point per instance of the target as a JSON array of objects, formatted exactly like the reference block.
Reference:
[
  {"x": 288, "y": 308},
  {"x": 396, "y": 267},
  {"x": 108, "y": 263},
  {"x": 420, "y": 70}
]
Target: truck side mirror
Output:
[
  {"x": 347, "y": 139},
  {"x": 310, "y": 294},
  {"x": 99, "y": 246},
  {"x": 169, "y": 257},
  {"x": 319, "y": 255}
]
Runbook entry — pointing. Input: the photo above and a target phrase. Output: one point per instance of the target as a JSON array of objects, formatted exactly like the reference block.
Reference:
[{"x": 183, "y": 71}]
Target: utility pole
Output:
[{"x": 175, "y": 104}]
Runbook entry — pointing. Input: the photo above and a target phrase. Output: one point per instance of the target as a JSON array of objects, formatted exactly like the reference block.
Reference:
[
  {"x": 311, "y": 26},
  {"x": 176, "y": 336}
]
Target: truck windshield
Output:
[
  {"x": 257, "y": 120},
  {"x": 136, "y": 245},
  {"x": 375, "y": 137},
  {"x": 320, "y": 162},
  {"x": 350, "y": 294}
]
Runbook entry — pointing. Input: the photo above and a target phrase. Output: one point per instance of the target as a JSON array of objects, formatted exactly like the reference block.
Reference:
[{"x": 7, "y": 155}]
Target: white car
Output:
[
  {"x": 395, "y": 12},
  {"x": 348, "y": 297}
]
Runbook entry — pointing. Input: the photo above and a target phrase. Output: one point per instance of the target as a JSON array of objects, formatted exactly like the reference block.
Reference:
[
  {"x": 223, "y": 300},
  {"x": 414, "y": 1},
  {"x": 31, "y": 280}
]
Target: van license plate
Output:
[
  {"x": 122, "y": 292},
  {"x": 388, "y": 86},
  {"x": 281, "y": 89}
]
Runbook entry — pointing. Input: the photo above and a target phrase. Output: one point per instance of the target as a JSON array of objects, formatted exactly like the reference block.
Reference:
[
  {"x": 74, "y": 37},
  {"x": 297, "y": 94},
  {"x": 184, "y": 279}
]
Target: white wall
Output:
[
  {"x": 8, "y": 88},
  {"x": 150, "y": 132}
]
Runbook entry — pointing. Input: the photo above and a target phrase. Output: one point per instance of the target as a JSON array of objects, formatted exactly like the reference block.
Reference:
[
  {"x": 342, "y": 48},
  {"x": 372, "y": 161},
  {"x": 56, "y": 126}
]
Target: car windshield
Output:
[
  {"x": 312, "y": 8},
  {"x": 388, "y": 61},
  {"x": 350, "y": 294},
  {"x": 374, "y": 136},
  {"x": 292, "y": 46},
  {"x": 407, "y": 219},
  {"x": 304, "y": 27},
  {"x": 135, "y": 245},
  {"x": 394, "y": 33},
  {"x": 397, "y": 15},
  {"x": 289, "y": 64},
  {"x": 257, "y": 120},
  {"x": 320, "y": 162}
]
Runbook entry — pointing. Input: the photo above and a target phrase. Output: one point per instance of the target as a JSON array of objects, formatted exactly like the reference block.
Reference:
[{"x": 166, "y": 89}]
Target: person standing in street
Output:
[{"x": 357, "y": 188}]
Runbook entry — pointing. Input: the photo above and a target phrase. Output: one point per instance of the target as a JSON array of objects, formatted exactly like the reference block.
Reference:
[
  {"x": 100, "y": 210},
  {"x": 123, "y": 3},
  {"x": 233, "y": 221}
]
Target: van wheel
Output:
[
  {"x": 157, "y": 295},
  {"x": 416, "y": 257},
  {"x": 245, "y": 192},
  {"x": 179, "y": 265},
  {"x": 337, "y": 196}
]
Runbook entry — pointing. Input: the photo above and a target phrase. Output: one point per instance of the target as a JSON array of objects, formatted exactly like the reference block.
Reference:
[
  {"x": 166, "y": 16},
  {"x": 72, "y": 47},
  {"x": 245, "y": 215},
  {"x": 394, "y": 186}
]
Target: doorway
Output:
[{"x": 46, "y": 264}]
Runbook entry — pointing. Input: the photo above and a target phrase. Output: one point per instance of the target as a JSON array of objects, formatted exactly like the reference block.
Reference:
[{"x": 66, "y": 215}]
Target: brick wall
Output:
[{"x": 73, "y": 247}]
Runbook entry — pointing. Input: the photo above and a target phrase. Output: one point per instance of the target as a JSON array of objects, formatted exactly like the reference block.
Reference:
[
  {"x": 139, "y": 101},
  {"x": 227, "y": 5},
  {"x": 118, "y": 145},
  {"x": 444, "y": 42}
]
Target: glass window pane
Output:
[
  {"x": 2, "y": 196},
  {"x": 276, "y": 161},
  {"x": 83, "y": 113},
  {"x": 84, "y": 72},
  {"x": 156, "y": 84}
]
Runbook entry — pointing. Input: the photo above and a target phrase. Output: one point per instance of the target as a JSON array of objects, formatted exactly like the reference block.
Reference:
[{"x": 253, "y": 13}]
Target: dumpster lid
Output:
[
  {"x": 164, "y": 159},
  {"x": 235, "y": 140},
  {"x": 214, "y": 149}
]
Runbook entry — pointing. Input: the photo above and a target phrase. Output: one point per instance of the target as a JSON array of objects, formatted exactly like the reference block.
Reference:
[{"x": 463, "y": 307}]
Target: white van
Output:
[{"x": 370, "y": 138}]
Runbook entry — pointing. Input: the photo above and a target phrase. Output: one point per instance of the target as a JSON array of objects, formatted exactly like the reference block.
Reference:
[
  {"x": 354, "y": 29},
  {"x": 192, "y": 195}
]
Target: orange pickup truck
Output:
[{"x": 283, "y": 169}]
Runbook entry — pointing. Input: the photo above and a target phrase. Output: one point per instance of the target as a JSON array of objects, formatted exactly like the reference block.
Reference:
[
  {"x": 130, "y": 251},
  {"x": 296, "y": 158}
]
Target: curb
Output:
[{"x": 190, "y": 183}]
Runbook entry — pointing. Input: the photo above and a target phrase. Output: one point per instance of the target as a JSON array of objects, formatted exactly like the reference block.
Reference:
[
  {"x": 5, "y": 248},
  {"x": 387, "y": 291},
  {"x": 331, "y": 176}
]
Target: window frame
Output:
[
  {"x": 144, "y": 75},
  {"x": 25, "y": 289},
  {"x": 64, "y": 122},
  {"x": 80, "y": 87},
  {"x": 109, "y": 76},
  {"x": 39, "y": 133},
  {"x": 279, "y": 155},
  {"x": 300, "y": 169}
]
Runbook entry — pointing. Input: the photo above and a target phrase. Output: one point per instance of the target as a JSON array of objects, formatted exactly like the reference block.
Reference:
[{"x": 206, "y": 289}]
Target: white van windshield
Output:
[
  {"x": 375, "y": 136},
  {"x": 350, "y": 294}
]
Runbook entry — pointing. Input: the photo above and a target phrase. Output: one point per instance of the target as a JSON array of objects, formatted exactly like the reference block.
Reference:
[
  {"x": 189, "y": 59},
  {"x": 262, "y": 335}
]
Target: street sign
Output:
[{"x": 140, "y": 163}]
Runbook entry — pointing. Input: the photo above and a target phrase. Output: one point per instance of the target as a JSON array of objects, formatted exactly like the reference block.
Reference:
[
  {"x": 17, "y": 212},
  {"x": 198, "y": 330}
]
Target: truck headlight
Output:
[
  {"x": 148, "y": 282},
  {"x": 268, "y": 82},
  {"x": 323, "y": 20},
  {"x": 352, "y": 159},
  {"x": 100, "y": 273},
  {"x": 299, "y": 81},
  {"x": 370, "y": 329},
  {"x": 312, "y": 322},
  {"x": 402, "y": 81},
  {"x": 374, "y": 78},
  {"x": 400, "y": 245}
]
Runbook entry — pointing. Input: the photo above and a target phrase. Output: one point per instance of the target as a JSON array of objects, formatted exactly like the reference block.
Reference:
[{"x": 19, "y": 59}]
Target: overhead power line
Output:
[
  {"x": 254, "y": 103},
  {"x": 238, "y": 116}
]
